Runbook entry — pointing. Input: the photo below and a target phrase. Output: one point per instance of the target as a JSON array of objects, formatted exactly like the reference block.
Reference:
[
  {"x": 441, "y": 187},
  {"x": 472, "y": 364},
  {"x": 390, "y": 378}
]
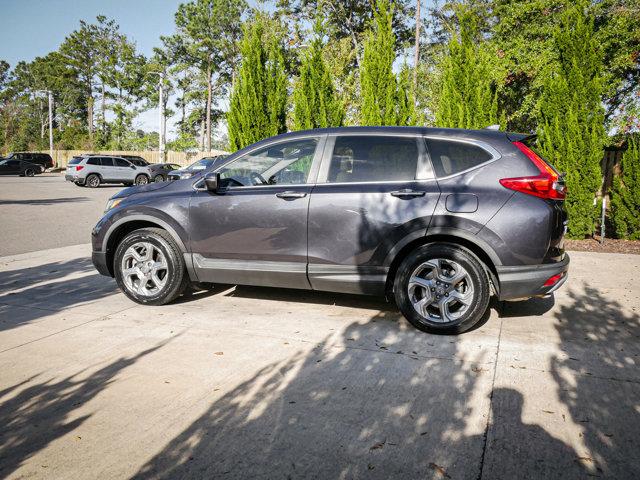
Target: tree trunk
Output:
[
  {"x": 202, "y": 122},
  {"x": 208, "y": 113},
  {"x": 416, "y": 55},
  {"x": 103, "y": 108},
  {"x": 90, "y": 116}
]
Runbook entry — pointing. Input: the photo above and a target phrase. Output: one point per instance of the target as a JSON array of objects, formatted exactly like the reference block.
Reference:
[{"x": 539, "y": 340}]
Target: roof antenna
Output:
[{"x": 492, "y": 127}]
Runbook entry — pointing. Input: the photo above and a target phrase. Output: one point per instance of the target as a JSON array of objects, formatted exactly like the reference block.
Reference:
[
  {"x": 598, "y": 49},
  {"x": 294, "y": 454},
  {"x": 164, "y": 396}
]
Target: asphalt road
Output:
[{"x": 45, "y": 212}]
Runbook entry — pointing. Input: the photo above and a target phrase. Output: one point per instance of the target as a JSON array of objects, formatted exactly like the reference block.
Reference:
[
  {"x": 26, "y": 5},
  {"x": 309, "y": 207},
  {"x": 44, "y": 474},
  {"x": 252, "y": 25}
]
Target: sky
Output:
[{"x": 32, "y": 28}]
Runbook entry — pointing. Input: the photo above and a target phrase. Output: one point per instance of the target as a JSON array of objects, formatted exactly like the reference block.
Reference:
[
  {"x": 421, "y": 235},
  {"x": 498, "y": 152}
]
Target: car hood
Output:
[{"x": 150, "y": 187}]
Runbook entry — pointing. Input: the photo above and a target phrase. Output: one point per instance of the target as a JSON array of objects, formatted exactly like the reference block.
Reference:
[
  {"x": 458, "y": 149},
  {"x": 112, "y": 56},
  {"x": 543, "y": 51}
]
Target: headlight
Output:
[
  {"x": 186, "y": 175},
  {"x": 114, "y": 202}
]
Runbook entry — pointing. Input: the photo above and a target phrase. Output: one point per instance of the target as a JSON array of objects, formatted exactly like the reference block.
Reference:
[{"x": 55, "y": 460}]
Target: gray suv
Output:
[
  {"x": 438, "y": 219},
  {"x": 94, "y": 170}
]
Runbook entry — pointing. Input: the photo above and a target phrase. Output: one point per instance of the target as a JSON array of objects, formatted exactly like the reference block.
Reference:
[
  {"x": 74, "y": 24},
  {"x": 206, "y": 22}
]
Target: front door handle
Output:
[
  {"x": 289, "y": 194},
  {"x": 407, "y": 193}
]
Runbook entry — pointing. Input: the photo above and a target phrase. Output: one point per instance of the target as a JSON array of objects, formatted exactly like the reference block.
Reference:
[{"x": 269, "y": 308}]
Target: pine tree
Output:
[
  {"x": 258, "y": 100},
  {"x": 315, "y": 102},
  {"x": 571, "y": 117},
  {"x": 625, "y": 197},
  {"x": 467, "y": 96},
  {"x": 406, "y": 110},
  {"x": 377, "y": 80}
]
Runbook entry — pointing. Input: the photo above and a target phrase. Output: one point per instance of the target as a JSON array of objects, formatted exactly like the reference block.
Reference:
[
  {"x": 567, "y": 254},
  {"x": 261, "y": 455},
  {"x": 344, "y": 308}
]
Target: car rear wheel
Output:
[
  {"x": 142, "y": 180},
  {"x": 158, "y": 178},
  {"x": 92, "y": 181},
  {"x": 149, "y": 267},
  {"x": 442, "y": 288},
  {"x": 29, "y": 172}
]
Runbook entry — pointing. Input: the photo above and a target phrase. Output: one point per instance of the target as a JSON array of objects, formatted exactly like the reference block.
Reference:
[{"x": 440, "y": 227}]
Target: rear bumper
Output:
[
  {"x": 99, "y": 260},
  {"x": 528, "y": 280},
  {"x": 74, "y": 179}
]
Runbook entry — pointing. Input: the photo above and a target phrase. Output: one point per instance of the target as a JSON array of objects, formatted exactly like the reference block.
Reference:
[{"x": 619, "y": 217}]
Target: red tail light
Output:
[
  {"x": 546, "y": 185},
  {"x": 79, "y": 167},
  {"x": 553, "y": 280}
]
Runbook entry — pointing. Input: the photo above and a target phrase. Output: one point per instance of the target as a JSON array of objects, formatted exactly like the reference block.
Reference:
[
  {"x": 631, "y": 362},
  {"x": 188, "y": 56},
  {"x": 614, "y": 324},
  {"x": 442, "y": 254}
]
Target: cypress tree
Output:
[
  {"x": 315, "y": 102},
  {"x": 259, "y": 96},
  {"x": 571, "y": 117},
  {"x": 406, "y": 110},
  {"x": 377, "y": 80},
  {"x": 468, "y": 96},
  {"x": 625, "y": 196}
]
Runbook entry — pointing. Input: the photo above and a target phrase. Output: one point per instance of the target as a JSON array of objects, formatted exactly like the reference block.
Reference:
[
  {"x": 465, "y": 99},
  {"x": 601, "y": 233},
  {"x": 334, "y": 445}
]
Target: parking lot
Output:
[{"x": 247, "y": 382}]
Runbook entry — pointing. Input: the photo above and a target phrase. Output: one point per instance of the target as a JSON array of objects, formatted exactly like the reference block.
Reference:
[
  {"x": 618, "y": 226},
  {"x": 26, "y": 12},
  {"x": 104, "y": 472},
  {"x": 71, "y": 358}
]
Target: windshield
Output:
[
  {"x": 3, "y": 162},
  {"x": 200, "y": 165}
]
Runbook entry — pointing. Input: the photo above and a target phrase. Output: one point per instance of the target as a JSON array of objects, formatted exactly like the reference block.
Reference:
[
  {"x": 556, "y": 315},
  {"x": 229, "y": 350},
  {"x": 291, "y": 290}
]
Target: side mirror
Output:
[
  {"x": 212, "y": 181},
  {"x": 133, "y": 167}
]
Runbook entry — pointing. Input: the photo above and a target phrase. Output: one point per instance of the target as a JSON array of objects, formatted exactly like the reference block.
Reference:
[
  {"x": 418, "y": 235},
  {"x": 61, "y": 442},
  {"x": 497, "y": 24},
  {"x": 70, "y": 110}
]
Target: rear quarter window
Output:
[
  {"x": 75, "y": 161},
  {"x": 450, "y": 157}
]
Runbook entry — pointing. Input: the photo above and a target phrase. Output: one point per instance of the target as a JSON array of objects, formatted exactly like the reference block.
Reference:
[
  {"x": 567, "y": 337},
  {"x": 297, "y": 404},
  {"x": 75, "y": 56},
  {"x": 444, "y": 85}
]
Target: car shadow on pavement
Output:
[
  {"x": 43, "y": 412},
  {"x": 599, "y": 377}
]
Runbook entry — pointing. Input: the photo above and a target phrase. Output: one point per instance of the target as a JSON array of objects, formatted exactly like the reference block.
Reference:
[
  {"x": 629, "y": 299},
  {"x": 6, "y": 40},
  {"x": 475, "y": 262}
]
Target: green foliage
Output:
[
  {"x": 625, "y": 196},
  {"x": 258, "y": 99},
  {"x": 315, "y": 103},
  {"x": 467, "y": 97},
  {"x": 378, "y": 83},
  {"x": 571, "y": 129}
]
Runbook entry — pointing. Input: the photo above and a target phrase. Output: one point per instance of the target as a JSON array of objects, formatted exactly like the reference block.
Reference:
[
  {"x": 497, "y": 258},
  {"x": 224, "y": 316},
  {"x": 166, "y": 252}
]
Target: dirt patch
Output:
[{"x": 609, "y": 245}]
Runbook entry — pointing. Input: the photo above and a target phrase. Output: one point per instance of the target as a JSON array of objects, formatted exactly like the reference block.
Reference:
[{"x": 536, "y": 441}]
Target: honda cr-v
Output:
[{"x": 438, "y": 219}]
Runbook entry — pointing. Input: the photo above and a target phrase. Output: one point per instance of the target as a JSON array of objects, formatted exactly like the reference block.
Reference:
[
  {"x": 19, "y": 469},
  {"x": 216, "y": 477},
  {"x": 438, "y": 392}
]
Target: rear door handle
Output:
[
  {"x": 289, "y": 194},
  {"x": 407, "y": 193}
]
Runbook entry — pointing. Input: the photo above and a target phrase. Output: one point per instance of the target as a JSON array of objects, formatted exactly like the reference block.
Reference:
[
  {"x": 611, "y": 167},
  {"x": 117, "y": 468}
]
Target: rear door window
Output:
[
  {"x": 370, "y": 158},
  {"x": 450, "y": 157}
]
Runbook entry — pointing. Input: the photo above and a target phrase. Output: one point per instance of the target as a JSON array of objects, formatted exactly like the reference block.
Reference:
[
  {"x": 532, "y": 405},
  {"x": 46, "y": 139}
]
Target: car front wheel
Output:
[
  {"x": 29, "y": 172},
  {"x": 149, "y": 267},
  {"x": 142, "y": 180},
  {"x": 158, "y": 178},
  {"x": 442, "y": 288}
]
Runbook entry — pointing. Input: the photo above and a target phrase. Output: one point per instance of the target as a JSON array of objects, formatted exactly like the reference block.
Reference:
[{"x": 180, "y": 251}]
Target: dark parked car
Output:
[
  {"x": 42, "y": 159},
  {"x": 196, "y": 167},
  {"x": 440, "y": 219},
  {"x": 161, "y": 171},
  {"x": 11, "y": 166}
]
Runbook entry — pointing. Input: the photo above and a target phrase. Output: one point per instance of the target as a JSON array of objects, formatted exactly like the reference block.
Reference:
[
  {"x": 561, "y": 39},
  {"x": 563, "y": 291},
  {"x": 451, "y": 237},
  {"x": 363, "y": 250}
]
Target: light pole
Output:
[
  {"x": 161, "y": 115},
  {"x": 50, "y": 97}
]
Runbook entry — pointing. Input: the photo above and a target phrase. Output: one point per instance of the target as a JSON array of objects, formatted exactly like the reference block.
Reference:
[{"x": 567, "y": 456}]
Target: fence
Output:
[{"x": 62, "y": 157}]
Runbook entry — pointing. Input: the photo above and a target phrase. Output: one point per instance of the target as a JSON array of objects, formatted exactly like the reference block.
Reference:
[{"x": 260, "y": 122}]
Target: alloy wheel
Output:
[
  {"x": 145, "y": 269},
  {"x": 142, "y": 180},
  {"x": 440, "y": 290}
]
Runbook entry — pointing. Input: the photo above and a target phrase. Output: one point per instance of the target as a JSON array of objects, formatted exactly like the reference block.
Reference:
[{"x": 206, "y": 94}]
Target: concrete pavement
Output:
[{"x": 269, "y": 383}]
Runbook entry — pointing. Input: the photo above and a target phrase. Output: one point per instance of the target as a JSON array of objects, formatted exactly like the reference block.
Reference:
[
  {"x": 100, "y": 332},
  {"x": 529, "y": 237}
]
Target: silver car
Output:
[{"x": 91, "y": 171}]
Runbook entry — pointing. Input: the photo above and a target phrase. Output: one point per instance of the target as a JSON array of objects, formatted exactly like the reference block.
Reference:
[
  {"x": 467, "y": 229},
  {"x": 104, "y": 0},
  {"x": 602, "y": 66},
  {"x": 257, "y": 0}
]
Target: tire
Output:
[
  {"x": 29, "y": 172},
  {"x": 458, "y": 303},
  {"x": 142, "y": 179},
  {"x": 164, "y": 248},
  {"x": 92, "y": 181},
  {"x": 159, "y": 178}
]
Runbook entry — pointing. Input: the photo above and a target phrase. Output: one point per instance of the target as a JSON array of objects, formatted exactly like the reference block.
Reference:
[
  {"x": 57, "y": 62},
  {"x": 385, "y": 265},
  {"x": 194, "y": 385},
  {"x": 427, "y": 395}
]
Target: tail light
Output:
[
  {"x": 547, "y": 185},
  {"x": 79, "y": 167},
  {"x": 551, "y": 281}
]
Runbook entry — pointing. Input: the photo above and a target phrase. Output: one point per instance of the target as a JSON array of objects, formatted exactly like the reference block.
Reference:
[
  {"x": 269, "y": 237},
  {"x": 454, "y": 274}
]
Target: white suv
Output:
[{"x": 93, "y": 170}]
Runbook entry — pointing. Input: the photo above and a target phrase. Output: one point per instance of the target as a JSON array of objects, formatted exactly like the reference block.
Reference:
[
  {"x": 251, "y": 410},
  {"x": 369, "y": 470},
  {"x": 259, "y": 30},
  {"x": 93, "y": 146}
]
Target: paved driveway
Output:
[
  {"x": 266, "y": 383},
  {"x": 269, "y": 383}
]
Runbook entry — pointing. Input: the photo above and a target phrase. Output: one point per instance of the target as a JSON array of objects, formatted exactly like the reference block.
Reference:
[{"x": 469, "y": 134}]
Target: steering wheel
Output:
[{"x": 256, "y": 177}]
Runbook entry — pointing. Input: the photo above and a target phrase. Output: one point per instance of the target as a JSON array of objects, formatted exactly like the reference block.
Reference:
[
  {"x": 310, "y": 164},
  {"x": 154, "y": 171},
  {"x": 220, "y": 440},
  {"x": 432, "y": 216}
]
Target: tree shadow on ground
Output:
[
  {"x": 599, "y": 380},
  {"x": 44, "y": 201},
  {"x": 39, "y": 414}
]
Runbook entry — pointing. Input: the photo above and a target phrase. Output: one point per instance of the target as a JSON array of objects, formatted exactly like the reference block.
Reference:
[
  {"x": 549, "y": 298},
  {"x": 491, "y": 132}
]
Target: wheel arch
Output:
[
  {"x": 483, "y": 252},
  {"x": 127, "y": 225}
]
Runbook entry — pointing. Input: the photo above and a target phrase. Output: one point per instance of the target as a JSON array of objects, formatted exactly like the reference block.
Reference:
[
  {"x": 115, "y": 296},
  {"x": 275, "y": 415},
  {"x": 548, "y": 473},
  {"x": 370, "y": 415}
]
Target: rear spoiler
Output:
[{"x": 525, "y": 138}]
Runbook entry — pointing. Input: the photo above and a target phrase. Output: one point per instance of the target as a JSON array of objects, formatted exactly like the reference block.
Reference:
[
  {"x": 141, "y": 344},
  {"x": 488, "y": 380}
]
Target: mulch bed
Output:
[{"x": 609, "y": 246}]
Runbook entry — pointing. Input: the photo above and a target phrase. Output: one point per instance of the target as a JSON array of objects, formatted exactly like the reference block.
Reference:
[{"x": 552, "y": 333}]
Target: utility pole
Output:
[
  {"x": 416, "y": 54},
  {"x": 161, "y": 138},
  {"x": 51, "y": 125}
]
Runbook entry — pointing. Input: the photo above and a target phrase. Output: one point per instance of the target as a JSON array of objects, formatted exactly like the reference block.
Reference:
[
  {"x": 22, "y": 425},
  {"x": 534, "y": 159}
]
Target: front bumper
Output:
[
  {"x": 99, "y": 260},
  {"x": 528, "y": 280}
]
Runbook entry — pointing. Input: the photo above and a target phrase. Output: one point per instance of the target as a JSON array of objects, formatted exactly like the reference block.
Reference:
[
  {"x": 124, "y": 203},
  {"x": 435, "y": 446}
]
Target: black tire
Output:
[
  {"x": 92, "y": 181},
  {"x": 29, "y": 172},
  {"x": 480, "y": 282},
  {"x": 142, "y": 179},
  {"x": 159, "y": 178},
  {"x": 177, "y": 277}
]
